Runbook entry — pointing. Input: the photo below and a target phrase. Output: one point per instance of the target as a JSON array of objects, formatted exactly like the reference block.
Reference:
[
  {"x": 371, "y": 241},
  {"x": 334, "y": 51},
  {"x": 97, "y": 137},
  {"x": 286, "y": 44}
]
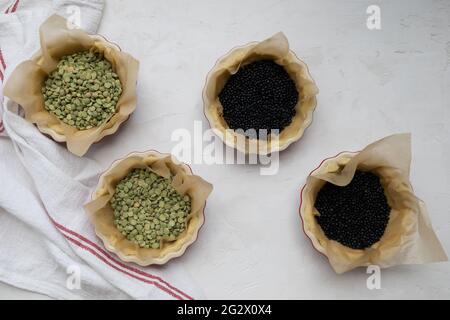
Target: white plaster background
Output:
[{"x": 372, "y": 84}]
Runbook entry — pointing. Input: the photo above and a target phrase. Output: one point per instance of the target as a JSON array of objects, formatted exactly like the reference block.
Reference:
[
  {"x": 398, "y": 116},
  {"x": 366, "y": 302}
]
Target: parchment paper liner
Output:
[
  {"x": 277, "y": 49},
  {"x": 102, "y": 215},
  {"x": 409, "y": 237},
  {"x": 25, "y": 83}
]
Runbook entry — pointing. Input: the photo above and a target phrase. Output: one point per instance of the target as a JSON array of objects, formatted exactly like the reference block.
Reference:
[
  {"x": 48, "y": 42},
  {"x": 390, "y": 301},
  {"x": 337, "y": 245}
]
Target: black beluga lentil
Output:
[
  {"x": 355, "y": 215},
  {"x": 261, "y": 95}
]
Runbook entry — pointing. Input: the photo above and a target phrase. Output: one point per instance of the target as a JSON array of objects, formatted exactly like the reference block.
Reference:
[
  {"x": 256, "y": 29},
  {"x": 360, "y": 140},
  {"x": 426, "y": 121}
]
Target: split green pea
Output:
[
  {"x": 147, "y": 209},
  {"x": 83, "y": 91}
]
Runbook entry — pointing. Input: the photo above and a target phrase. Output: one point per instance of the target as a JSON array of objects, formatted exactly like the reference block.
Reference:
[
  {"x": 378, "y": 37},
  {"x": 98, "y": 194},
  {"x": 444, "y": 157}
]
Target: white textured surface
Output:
[{"x": 372, "y": 84}]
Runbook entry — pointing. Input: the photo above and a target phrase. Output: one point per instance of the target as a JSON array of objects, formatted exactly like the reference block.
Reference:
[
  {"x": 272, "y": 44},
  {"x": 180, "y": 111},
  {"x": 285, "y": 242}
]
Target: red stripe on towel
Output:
[
  {"x": 79, "y": 244},
  {"x": 101, "y": 252},
  {"x": 108, "y": 256},
  {"x": 15, "y": 6},
  {"x": 9, "y": 8},
  {"x": 2, "y": 61},
  {"x": 12, "y": 7},
  {"x": 2, "y": 64}
]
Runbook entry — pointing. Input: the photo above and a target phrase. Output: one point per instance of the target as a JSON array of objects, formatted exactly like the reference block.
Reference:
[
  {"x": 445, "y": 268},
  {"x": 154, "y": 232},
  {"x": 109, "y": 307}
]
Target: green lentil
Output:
[
  {"x": 83, "y": 91},
  {"x": 149, "y": 218}
]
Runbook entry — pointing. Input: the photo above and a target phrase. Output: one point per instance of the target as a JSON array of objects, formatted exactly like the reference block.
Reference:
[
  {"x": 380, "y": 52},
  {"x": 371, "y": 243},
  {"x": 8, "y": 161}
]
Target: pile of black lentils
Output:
[
  {"x": 261, "y": 95},
  {"x": 355, "y": 215}
]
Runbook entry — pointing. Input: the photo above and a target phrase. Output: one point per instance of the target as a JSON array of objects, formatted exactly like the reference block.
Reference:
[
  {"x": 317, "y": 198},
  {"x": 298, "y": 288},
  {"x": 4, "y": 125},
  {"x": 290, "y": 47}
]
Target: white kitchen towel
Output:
[{"x": 47, "y": 243}]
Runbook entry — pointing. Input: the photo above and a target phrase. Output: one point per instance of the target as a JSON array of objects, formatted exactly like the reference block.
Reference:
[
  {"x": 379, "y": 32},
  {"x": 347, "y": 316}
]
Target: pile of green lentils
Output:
[
  {"x": 83, "y": 91},
  {"x": 147, "y": 209}
]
